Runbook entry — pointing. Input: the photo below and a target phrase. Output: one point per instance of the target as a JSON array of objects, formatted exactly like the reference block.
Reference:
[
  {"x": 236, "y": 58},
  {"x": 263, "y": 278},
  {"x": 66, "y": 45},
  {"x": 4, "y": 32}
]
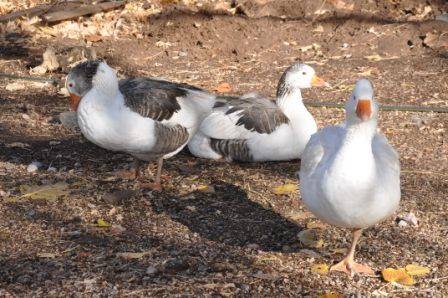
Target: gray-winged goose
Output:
[
  {"x": 150, "y": 119},
  {"x": 254, "y": 128}
]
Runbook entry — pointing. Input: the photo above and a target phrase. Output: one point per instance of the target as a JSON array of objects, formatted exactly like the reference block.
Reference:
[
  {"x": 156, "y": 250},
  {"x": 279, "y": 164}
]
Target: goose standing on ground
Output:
[
  {"x": 148, "y": 118},
  {"x": 350, "y": 174},
  {"x": 253, "y": 128}
]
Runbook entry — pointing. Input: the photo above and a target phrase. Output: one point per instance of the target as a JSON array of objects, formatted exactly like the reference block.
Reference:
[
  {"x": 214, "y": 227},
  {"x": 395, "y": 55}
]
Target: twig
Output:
[
  {"x": 30, "y": 12},
  {"x": 424, "y": 172},
  {"x": 34, "y": 79},
  {"x": 81, "y": 11}
]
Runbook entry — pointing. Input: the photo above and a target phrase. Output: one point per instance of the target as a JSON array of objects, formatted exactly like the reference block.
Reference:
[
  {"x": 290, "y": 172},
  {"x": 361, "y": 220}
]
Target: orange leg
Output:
[
  {"x": 156, "y": 185},
  {"x": 348, "y": 264}
]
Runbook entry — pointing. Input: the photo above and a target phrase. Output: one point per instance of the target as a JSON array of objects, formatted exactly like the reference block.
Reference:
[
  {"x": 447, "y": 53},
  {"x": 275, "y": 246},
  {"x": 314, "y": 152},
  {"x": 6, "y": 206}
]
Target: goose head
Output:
[
  {"x": 362, "y": 106},
  {"x": 87, "y": 75},
  {"x": 298, "y": 76}
]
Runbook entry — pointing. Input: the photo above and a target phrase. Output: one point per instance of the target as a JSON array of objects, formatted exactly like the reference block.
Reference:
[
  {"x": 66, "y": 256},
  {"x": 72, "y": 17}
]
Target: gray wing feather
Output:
[
  {"x": 156, "y": 99},
  {"x": 169, "y": 139},
  {"x": 257, "y": 113},
  {"x": 232, "y": 149}
]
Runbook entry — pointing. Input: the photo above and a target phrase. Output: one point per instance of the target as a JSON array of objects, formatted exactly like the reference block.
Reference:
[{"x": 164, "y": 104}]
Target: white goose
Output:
[
  {"x": 350, "y": 175},
  {"x": 253, "y": 128},
  {"x": 148, "y": 118}
]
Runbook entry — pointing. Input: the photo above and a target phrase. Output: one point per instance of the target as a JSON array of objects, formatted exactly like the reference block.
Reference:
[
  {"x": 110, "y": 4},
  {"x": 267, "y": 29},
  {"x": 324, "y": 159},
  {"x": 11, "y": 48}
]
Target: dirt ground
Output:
[{"x": 236, "y": 237}]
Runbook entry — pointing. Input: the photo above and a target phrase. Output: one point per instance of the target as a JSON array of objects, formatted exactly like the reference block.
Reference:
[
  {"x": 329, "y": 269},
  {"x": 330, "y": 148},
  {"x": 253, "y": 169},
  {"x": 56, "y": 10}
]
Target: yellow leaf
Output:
[
  {"x": 320, "y": 268},
  {"x": 377, "y": 57},
  {"x": 310, "y": 238},
  {"x": 206, "y": 188},
  {"x": 316, "y": 225},
  {"x": 222, "y": 88},
  {"x": 397, "y": 275},
  {"x": 48, "y": 255},
  {"x": 331, "y": 295},
  {"x": 44, "y": 192},
  {"x": 102, "y": 223},
  {"x": 285, "y": 189},
  {"x": 132, "y": 255},
  {"x": 415, "y": 270}
]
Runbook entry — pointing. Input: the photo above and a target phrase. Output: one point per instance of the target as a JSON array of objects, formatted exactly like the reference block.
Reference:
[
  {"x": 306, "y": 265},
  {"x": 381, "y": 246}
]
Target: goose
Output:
[
  {"x": 150, "y": 119},
  {"x": 254, "y": 128},
  {"x": 350, "y": 174}
]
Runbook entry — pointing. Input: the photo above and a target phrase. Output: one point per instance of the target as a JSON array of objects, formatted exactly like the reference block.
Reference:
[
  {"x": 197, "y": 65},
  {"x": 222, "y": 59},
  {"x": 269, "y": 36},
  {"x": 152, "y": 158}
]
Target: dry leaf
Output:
[
  {"x": 397, "y": 275},
  {"x": 48, "y": 255},
  {"x": 416, "y": 270},
  {"x": 44, "y": 192},
  {"x": 102, "y": 223},
  {"x": 320, "y": 268},
  {"x": 310, "y": 238},
  {"x": 206, "y": 188},
  {"x": 369, "y": 71},
  {"x": 222, "y": 88},
  {"x": 93, "y": 37},
  {"x": 342, "y": 5},
  {"x": 285, "y": 189},
  {"x": 331, "y": 295},
  {"x": 18, "y": 145},
  {"x": 132, "y": 255},
  {"x": 377, "y": 57},
  {"x": 15, "y": 86},
  {"x": 316, "y": 225}
]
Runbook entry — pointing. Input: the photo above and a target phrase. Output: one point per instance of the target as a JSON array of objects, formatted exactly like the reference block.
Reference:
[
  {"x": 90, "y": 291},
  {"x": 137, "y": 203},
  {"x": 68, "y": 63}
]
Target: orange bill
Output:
[
  {"x": 318, "y": 82},
  {"x": 75, "y": 99},
  {"x": 364, "y": 109}
]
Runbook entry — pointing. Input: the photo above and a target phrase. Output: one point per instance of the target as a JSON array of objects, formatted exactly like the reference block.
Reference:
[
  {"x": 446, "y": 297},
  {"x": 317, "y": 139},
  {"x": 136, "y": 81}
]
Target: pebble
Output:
[
  {"x": 402, "y": 223},
  {"x": 33, "y": 167},
  {"x": 151, "y": 270},
  {"x": 51, "y": 169}
]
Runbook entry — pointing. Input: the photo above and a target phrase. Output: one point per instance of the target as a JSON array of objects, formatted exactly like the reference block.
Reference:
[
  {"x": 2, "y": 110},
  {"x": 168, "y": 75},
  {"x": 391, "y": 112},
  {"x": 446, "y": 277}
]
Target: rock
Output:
[
  {"x": 402, "y": 223},
  {"x": 52, "y": 169},
  {"x": 410, "y": 218},
  {"x": 151, "y": 270},
  {"x": 68, "y": 119},
  {"x": 33, "y": 167}
]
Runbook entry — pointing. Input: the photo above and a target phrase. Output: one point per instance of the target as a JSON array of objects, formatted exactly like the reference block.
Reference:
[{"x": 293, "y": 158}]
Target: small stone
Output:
[
  {"x": 52, "y": 169},
  {"x": 253, "y": 246},
  {"x": 26, "y": 117},
  {"x": 410, "y": 218},
  {"x": 33, "y": 167},
  {"x": 151, "y": 270},
  {"x": 245, "y": 287},
  {"x": 402, "y": 223}
]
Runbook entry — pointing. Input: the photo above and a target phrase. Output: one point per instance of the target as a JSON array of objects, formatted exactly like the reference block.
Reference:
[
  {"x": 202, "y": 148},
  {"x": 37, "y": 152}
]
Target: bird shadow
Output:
[{"x": 228, "y": 216}]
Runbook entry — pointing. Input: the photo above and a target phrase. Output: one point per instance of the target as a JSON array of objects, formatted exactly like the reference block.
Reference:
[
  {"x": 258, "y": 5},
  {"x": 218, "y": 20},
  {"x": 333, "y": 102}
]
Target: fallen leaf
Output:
[
  {"x": 93, "y": 37},
  {"x": 132, "y": 255},
  {"x": 15, "y": 86},
  {"x": 47, "y": 255},
  {"x": 331, "y": 295},
  {"x": 310, "y": 238},
  {"x": 369, "y": 71},
  {"x": 416, "y": 270},
  {"x": 102, "y": 223},
  {"x": 222, "y": 88},
  {"x": 320, "y": 268},
  {"x": 285, "y": 189},
  {"x": 44, "y": 192},
  {"x": 17, "y": 145},
  {"x": 316, "y": 225},
  {"x": 342, "y": 5},
  {"x": 399, "y": 275},
  {"x": 206, "y": 188},
  {"x": 377, "y": 57}
]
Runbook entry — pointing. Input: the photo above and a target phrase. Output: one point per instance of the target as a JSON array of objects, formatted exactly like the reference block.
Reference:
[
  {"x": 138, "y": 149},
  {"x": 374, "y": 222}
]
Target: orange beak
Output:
[
  {"x": 364, "y": 109},
  {"x": 75, "y": 99},
  {"x": 318, "y": 82}
]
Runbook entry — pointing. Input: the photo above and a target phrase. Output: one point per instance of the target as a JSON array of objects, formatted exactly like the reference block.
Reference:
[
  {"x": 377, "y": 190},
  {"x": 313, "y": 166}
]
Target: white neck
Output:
[
  {"x": 291, "y": 102},
  {"x": 106, "y": 84}
]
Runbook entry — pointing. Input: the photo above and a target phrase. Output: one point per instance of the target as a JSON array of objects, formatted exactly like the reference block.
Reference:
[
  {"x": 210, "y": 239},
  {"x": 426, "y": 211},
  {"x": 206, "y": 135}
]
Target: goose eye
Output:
[
  {"x": 70, "y": 85},
  {"x": 304, "y": 73}
]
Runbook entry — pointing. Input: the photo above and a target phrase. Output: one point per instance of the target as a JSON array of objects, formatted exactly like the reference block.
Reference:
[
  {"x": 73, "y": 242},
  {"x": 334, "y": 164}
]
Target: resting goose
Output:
[
  {"x": 253, "y": 128},
  {"x": 150, "y": 119},
  {"x": 350, "y": 174}
]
